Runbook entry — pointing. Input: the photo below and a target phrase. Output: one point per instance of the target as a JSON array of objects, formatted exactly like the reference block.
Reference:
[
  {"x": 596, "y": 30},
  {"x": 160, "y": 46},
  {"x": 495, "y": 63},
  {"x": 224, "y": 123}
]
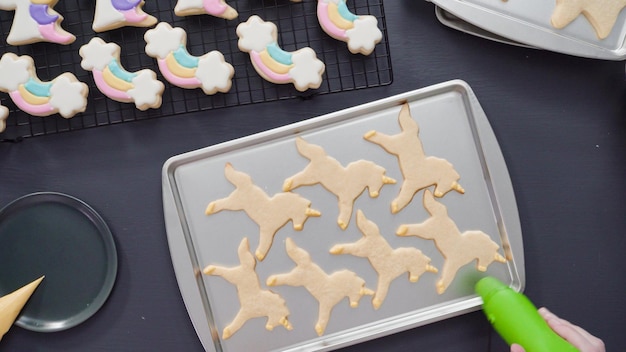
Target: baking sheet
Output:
[
  {"x": 452, "y": 126},
  {"x": 528, "y": 22}
]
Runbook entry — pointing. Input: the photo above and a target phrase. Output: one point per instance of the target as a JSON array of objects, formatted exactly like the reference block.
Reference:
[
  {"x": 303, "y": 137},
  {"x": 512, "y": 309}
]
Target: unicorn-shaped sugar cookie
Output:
[
  {"x": 35, "y": 21},
  {"x": 112, "y": 14},
  {"x": 140, "y": 87},
  {"x": 301, "y": 67},
  {"x": 217, "y": 8},
  {"x": 64, "y": 94},
  {"x": 209, "y": 71}
]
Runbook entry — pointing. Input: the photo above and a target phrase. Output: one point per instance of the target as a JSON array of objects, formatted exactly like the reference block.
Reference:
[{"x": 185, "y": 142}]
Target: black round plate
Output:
[{"x": 63, "y": 238}]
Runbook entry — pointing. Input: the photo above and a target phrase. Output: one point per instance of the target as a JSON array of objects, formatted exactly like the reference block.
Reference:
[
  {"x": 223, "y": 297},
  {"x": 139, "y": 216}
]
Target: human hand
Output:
[{"x": 577, "y": 336}]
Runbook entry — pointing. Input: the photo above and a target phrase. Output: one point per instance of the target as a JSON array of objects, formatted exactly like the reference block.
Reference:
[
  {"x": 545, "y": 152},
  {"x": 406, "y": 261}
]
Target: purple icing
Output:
[
  {"x": 124, "y": 5},
  {"x": 40, "y": 14}
]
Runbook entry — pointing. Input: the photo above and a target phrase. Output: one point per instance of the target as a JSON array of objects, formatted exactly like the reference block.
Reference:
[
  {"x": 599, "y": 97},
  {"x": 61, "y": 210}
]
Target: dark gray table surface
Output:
[{"x": 560, "y": 122}]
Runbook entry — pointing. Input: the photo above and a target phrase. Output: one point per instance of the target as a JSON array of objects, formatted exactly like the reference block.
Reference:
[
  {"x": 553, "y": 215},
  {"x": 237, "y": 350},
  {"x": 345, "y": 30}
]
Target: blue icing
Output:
[
  {"x": 39, "y": 89},
  {"x": 279, "y": 54},
  {"x": 185, "y": 59},
  {"x": 119, "y": 72},
  {"x": 345, "y": 12}
]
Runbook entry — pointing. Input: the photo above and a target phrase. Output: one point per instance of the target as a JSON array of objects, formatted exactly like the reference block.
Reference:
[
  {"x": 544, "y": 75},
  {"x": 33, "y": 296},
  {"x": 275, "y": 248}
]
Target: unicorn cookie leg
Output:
[
  {"x": 64, "y": 94},
  {"x": 360, "y": 32},
  {"x": 301, "y": 67},
  {"x": 112, "y": 14},
  {"x": 209, "y": 71},
  {"x": 217, "y": 8},
  {"x": 35, "y": 21},
  {"x": 103, "y": 60}
]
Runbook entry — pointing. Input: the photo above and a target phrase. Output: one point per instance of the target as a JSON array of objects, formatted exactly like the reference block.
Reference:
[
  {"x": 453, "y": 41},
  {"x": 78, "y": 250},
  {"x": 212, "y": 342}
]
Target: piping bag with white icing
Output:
[{"x": 12, "y": 304}]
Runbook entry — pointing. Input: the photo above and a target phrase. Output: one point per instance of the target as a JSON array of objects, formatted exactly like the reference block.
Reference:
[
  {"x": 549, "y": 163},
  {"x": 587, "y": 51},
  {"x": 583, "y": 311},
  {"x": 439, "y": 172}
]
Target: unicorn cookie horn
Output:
[
  {"x": 217, "y": 8},
  {"x": 64, "y": 94},
  {"x": 209, "y": 71},
  {"x": 35, "y": 21},
  {"x": 112, "y": 14},
  {"x": 103, "y": 59},
  {"x": 301, "y": 67},
  {"x": 11, "y": 305}
]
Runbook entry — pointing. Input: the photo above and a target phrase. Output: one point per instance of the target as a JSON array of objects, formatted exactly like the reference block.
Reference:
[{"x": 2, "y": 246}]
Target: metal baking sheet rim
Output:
[
  {"x": 526, "y": 33},
  {"x": 187, "y": 275}
]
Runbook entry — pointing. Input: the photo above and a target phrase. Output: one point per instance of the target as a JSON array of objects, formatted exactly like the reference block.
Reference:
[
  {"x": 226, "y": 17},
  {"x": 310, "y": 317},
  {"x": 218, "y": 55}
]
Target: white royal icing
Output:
[
  {"x": 68, "y": 95},
  {"x": 255, "y": 34},
  {"x": 14, "y": 71},
  {"x": 147, "y": 90},
  {"x": 163, "y": 39},
  {"x": 106, "y": 15},
  {"x": 214, "y": 73},
  {"x": 97, "y": 54},
  {"x": 4, "y": 113},
  {"x": 364, "y": 36},
  {"x": 307, "y": 69}
]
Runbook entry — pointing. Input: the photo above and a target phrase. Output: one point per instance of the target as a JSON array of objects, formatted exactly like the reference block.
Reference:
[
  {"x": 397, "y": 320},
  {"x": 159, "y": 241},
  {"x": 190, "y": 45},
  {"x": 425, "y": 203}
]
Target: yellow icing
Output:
[
  {"x": 272, "y": 64},
  {"x": 30, "y": 98},
  {"x": 336, "y": 19},
  {"x": 114, "y": 82},
  {"x": 177, "y": 69}
]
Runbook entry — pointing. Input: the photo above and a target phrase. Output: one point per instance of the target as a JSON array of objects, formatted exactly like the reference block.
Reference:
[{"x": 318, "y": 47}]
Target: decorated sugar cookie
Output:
[
  {"x": 457, "y": 248},
  {"x": 35, "y": 21},
  {"x": 327, "y": 289},
  {"x": 255, "y": 302},
  {"x": 209, "y": 71},
  {"x": 217, "y": 8},
  {"x": 301, "y": 67},
  {"x": 602, "y": 14},
  {"x": 419, "y": 171},
  {"x": 270, "y": 213},
  {"x": 4, "y": 113},
  {"x": 103, "y": 60},
  {"x": 389, "y": 263},
  {"x": 64, "y": 94},
  {"x": 347, "y": 183},
  {"x": 360, "y": 32},
  {"x": 112, "y": 14}
]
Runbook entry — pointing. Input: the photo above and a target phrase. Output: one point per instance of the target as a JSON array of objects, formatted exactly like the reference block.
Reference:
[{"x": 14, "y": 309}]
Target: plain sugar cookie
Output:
[
  {"x": 35, "y": 21},
  {"x": 103, "y": 60},
  {"x": 602, "y": 14},
  {"x": 347, "y": 183},
  {"x": 300, "y": 67},
  {"x": 270, "y": 213},
  {"x": 389, "y": 263},
  {"x": 209, "y": 71},
  {"x": 255, "y": 302},
  {"x": 419, "y": 171},
  {"x": 65, "y": 94},
  {"x": 457, "y": 248},
  {"x": 328, "y": 290}
]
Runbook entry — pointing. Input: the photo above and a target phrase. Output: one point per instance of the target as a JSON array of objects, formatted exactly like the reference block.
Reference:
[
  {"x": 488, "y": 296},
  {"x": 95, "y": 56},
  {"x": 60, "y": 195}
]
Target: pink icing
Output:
[
  {"x": 214, "y": 7},
  {"x": 132, "y": 16},
  {"x": 277, "y": 77},
  {"x": 49, "y": 32},
  {"x": 37, "y": 110},
  {"x": 108, "y": 90},
  {"x": 175, "y": 80},
  {"x": 327, "y": 24}
]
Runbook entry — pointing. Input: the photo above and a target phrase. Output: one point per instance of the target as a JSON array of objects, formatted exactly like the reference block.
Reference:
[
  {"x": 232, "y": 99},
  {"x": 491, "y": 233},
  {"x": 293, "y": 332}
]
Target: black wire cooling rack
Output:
[{"x": 297, "y": 27}]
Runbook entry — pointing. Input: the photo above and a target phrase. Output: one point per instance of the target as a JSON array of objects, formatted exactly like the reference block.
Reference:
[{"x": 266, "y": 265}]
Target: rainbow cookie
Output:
[
  {"x": 301, "y": 67},
  {"x": 360, "y": 32},
  {"x": 140, "y": 87},
  {"x": 4, "y": 113},
  {"x": 112, "y": 14},
  {"x": 64, "y": 94},
  {"x": 35, "y": 21},
  {"x": 217, "y": 8},
  {"x": 209, "y": 71}
]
